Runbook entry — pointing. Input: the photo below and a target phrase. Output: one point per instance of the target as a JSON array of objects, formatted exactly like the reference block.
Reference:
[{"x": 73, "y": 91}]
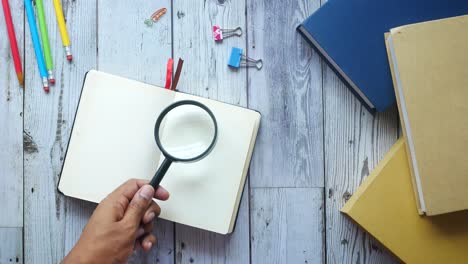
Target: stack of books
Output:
[{"x": 415, "y": 201}]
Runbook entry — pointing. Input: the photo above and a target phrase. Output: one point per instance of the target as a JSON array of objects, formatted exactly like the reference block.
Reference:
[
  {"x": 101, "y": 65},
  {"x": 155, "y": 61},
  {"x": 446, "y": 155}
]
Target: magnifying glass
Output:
[{"x": 185, "y": 131}]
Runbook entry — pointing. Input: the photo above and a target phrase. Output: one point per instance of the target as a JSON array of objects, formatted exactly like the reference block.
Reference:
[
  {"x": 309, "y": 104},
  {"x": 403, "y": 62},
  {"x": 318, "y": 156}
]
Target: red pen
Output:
[{"x": 170, "y": 64}]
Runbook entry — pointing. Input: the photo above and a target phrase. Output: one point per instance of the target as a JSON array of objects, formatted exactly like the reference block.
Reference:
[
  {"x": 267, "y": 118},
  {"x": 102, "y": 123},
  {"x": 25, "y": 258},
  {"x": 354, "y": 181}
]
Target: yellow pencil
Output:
[{"x": 63, "y": 28}]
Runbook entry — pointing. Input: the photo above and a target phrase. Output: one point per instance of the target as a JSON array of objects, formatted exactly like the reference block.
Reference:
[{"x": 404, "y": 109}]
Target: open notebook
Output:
[{"x": 112, "y": 140}]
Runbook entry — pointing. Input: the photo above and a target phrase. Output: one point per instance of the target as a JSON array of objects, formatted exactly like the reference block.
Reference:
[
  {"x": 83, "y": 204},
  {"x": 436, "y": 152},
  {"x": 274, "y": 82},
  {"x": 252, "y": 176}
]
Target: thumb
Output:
[{"x": 138, "y": 205}]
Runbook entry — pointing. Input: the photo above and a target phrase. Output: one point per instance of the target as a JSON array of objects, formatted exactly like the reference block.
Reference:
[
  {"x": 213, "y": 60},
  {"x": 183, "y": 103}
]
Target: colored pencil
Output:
[
  {"x": 36, "y": 43},
  {"x": 63, "y": 29},
  {"x": 13, "y": 42},
  {"x": 45, "y": 40}
]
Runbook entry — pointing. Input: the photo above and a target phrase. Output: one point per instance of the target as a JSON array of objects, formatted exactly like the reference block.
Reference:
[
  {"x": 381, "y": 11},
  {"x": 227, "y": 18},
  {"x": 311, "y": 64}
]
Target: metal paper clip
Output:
[
  {"x": 220, "y": 33},
  {"x": 155, "y": 17},
  {"x": 237, "y": 60}
]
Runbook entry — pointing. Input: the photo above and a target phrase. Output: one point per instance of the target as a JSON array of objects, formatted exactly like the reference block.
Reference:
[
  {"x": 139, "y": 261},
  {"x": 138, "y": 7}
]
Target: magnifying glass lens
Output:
[{"x": 187, "y": 131}]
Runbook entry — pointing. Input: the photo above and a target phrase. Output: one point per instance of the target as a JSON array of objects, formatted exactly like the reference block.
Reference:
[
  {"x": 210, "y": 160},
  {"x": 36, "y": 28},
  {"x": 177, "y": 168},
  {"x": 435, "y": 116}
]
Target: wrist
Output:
[{"x": 78, "y": 255}]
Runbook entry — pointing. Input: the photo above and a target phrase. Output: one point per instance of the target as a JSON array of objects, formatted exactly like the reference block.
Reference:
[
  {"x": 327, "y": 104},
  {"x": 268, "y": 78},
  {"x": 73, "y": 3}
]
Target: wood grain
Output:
[
  {"x": 206, "y": 74},
  {"x": 205, "y": 70},
  {"x": 11, "y": 245},
  {"x": 288, "y": 93},
  {"x": 52, "y": 221},
  {"x": 11, "y": 133},
  {"x": 355, "y": 141},
  {"x": 129, "y": 48},
  {"x": 77, "y": 213},
  {"x": 199, "y": 246},
  {"x": 287, "y": 225},
  {"x": 286, "y": 222}
]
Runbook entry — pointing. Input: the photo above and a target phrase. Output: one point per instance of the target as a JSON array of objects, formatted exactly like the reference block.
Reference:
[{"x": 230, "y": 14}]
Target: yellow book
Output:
[
  {"x": 384, "y": 205},
  {"x": 429, "y": 63}
]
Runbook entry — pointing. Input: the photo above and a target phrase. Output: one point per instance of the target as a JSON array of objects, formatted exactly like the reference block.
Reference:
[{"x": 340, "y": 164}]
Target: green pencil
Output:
[{"x": 45, "y": 40}]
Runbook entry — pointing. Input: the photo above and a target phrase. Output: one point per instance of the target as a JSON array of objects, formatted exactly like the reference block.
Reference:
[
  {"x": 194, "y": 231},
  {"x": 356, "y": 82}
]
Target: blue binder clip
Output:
[{"x": 237, "y": 60}]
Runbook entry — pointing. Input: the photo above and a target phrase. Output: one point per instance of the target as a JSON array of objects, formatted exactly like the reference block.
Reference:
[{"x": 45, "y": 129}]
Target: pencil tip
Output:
[{"x": 21, "y": 79}]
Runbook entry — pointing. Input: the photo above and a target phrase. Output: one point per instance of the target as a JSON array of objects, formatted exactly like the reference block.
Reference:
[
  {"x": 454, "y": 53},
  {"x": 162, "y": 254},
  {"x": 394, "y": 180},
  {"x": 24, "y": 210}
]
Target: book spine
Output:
[{"x": 301, "y": 29}]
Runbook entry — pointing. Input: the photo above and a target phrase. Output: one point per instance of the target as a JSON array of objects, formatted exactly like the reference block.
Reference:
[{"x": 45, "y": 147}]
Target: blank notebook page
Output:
[
  {"x": 207, "y": 192},
  {"x": 112, "y": 138}
]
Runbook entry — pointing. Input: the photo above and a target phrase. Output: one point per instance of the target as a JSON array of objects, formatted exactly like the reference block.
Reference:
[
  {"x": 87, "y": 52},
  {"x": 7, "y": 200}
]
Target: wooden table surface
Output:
[{"x": 316, "y": 144}]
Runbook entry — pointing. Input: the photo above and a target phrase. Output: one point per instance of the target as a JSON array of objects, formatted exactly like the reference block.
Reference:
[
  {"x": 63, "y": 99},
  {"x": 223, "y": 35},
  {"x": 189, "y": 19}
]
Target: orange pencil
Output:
[{"x": 13, "y": 43}]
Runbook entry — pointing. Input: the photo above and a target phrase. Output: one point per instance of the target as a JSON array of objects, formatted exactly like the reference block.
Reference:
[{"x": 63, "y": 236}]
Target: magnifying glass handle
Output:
[{"x": 159, "y": 175}]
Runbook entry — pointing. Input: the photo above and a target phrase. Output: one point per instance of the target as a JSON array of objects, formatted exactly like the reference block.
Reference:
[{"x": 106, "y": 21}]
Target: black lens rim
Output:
[{"x": 164, "y": 113}]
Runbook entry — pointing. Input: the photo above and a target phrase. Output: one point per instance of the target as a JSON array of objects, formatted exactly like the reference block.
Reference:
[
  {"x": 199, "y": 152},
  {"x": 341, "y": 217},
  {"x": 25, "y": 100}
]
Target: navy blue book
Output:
[{"x": 349, "y": 35}]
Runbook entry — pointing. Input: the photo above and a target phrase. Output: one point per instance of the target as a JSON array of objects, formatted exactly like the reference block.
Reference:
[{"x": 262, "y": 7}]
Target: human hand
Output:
[{"x": 121, "y": 223}]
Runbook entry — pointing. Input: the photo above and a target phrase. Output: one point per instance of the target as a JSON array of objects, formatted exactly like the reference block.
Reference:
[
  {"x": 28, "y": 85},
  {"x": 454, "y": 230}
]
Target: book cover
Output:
[
  {"x": 384, "y": 206},
  {"x": 430, "y": 68},
  {"x": 349, "y": 35}
]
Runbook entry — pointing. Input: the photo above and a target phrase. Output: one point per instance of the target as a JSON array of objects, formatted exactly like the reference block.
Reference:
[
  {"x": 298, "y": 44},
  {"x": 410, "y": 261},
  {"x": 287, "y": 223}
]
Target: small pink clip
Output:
[{"x": 219, "y": 34}]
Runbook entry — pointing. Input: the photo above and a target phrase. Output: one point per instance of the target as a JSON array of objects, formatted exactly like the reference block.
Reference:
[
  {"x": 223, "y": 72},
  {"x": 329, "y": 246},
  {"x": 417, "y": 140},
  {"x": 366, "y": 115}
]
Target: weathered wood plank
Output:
[
  {"x": 287, "y": 225},
  {"x": 77, "y": 213},
  {"x": 198, "y": 246},
  {"x": 11, "y": 118},
  {"x": 11, "y": 245},
  {"x": 288, "y": 93},
  {"x": 355, "y": 141},
  {"x": 53, "y": 222},
  {"x": 129, "y": 48},
  {"x": 206, "y": 74},
  {"x": 205, "y": 70},
  {"x": 289, "y": 151}
]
